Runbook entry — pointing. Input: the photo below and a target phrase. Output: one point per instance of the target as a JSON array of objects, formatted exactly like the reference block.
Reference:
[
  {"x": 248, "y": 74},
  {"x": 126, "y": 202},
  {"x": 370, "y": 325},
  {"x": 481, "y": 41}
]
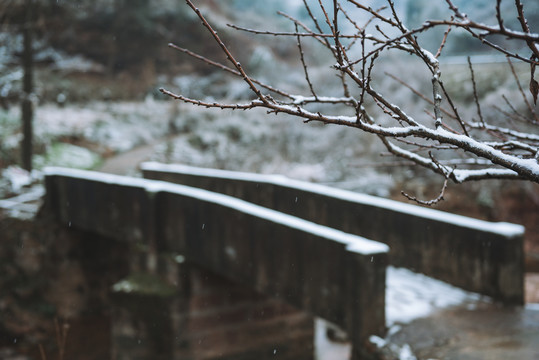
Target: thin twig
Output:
[
  {"x": 363, "y": 72},
  {"x": 336, "y": 32},
  {"x": 229, "y": 55},
  {"x": 304, "y": 64},
  {"x": 437, "y": 96},
  {"x": 303, "y": 26},
  {"x": 311, "y": 15},
  {"x": 461, "y": 122},
  {"x": 289, "y": 33},
  {"x": 444, "y": 40},
  {"x": 499, "y": 15},
  {"x": 227, "y": 69},
  {"x": 532, "y": 44},
  {"x": 530, "y": 108},
  {"x": 431, "y": 202},
  {"x": 474, "y": 87},
  {"x": 516, "y": 115},
  {"x": 511, "y": 117},
  {"x": 251, "y": 105}
]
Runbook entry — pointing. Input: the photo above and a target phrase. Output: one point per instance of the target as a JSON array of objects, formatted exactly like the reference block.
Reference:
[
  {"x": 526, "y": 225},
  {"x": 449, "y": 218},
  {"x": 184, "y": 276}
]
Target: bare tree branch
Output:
[
  {"x": 488, "y": 149},
  {"x": 228, "y": 69},
  {"x": 434, "y": 201},
  {"x": 229, "y": 55}
]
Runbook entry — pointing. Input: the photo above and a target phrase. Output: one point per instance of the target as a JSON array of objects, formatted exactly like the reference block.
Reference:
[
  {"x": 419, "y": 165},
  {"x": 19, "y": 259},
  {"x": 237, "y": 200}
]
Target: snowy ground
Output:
[{"x": 409, "y": 296}]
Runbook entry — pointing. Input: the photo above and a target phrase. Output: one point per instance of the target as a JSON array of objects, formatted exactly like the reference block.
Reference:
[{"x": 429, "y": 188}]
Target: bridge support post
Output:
[{"x": 207, "y": 317}]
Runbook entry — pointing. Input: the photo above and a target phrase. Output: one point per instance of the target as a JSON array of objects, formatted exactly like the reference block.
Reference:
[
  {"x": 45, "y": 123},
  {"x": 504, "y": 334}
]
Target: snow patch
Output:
[
  {"x": 391, "y": 350},
  {"x": 410, "y": 296},
  {"x": 17, "y": 178},
  {"x": 25, "y": 205}
]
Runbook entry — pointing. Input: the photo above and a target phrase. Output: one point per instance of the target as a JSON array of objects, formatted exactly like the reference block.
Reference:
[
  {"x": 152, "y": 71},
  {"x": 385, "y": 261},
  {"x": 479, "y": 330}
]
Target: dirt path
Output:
[{"x": 127, "y": 162}]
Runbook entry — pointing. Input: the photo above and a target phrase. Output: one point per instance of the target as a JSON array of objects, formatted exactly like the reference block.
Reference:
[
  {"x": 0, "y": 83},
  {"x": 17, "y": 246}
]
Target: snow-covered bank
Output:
[{"x": 410, "y": 296}]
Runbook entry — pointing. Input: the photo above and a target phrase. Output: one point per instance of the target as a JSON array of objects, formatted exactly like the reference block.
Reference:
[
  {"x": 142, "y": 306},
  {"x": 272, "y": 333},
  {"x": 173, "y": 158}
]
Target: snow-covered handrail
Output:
[{"x": 477, "y": 255}]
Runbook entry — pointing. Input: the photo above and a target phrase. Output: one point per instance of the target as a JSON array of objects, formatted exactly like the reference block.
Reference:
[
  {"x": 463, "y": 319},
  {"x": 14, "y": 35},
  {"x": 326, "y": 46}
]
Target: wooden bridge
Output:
[
  {"x": 302, "y": 244},
  {"x": 478, "y": 256}
]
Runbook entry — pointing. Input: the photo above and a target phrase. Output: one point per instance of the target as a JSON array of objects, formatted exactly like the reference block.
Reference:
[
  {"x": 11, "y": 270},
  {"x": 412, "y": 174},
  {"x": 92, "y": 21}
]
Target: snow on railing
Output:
[{"x": 476, "y": 255}]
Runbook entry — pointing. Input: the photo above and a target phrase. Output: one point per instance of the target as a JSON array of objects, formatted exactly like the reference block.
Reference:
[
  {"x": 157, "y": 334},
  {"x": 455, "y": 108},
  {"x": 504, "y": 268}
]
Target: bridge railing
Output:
[
  {"x": 479, "y": 256},
  {"x": 331, "y": 274}
]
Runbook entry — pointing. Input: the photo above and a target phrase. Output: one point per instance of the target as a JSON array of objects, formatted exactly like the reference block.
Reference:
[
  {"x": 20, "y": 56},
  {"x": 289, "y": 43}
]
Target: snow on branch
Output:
[{"x": 459, "y": 148}]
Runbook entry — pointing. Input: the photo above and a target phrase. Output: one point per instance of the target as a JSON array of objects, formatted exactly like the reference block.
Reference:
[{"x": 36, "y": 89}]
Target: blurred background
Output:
[{"x": 97, "y": 67}]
